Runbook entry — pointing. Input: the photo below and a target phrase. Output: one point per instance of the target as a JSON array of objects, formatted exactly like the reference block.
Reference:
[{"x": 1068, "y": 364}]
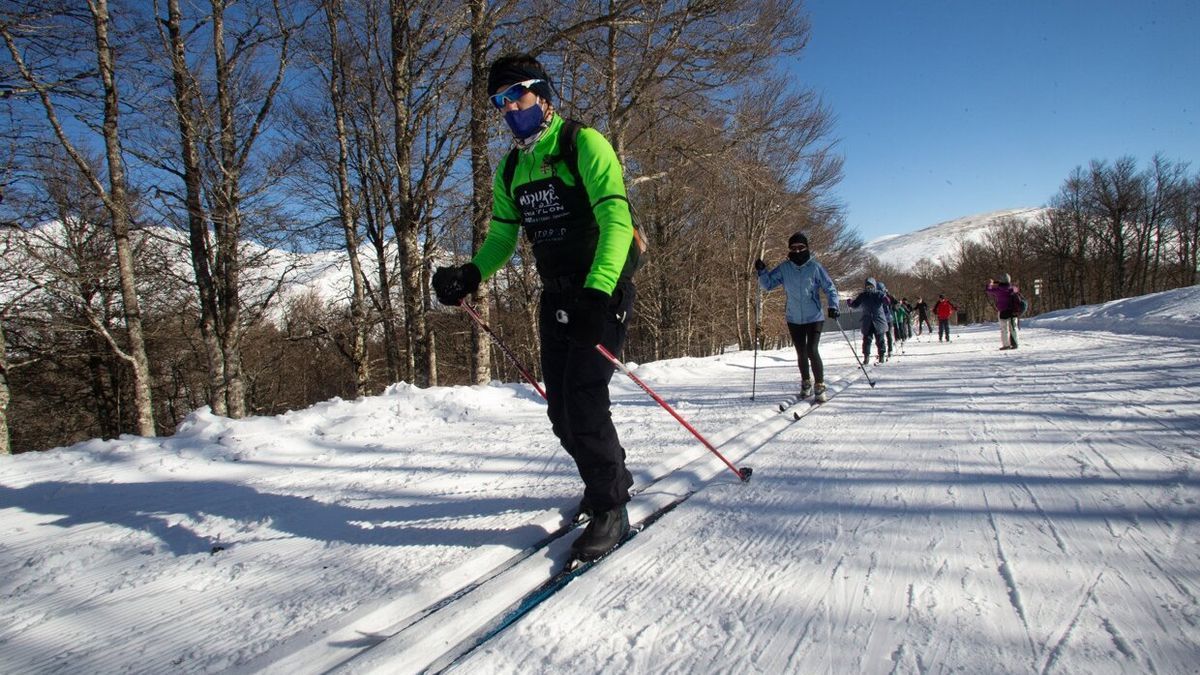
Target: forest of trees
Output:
[
  {"x": 158, "y": 161},
  {"x": 140, "y": 135},
  {"x": 1112, "y": 231}
]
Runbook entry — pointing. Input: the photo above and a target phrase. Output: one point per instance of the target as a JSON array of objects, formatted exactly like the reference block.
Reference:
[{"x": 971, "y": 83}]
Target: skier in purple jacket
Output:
[{"x": 1002, "y": 292}]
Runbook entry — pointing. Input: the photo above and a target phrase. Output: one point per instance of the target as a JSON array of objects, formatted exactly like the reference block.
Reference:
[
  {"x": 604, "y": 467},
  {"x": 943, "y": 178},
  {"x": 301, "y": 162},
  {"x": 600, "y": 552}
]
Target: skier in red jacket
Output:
[{"x": 944, "y": 308}]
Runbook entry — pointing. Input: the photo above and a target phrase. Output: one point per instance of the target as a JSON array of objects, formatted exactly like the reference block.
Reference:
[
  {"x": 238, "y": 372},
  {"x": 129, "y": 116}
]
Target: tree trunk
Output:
[
  {"x": 118, "y": 206},
  {"x": 5, "y": 396},
  {"x": 373, "y": 193},
  {"x": 185, "y": 95},
  {"x": 227, "y": 222},
  {"x": 358, "y": 318},
  {"x": 405, "y": 223},
  {"x": 481, "y": 182}
]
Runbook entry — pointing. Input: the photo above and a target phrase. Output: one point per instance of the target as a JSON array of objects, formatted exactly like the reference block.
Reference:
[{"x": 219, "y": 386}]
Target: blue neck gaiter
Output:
[{"x": 525, "y": 123}]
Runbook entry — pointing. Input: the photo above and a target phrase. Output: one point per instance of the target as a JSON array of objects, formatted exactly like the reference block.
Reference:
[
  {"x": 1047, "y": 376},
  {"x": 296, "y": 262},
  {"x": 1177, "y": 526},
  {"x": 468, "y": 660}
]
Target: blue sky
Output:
[{"x": 950, "y": 108}]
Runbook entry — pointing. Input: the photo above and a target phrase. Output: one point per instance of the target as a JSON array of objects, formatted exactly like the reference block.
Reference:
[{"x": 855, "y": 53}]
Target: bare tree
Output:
[
  {"x": 481, "y": 29},
  {"x": 1185, "y": 217},
  {"x": 221, "y": 115},
  {"x": 1115, "y": 194},
  {"x": 337, "y": 98},
  {"x": 1164, "y": 183},
  {"x": 425, "y": 59},
  {"x": 5, "y": 392},
  {"x": 115, "y": 196}
]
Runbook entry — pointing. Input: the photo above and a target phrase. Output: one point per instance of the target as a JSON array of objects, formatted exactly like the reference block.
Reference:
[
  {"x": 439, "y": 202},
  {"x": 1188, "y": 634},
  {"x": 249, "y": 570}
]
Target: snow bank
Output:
[{"x": 1168, "y": 314}]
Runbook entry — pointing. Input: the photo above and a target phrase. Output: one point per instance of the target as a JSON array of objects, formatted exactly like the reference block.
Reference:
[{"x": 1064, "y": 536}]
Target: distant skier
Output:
[
  {"x": 890, "y": 316},
  {"x": 900, "y": 319},
  {"x": 1002, "y": 292},
  {"x": 908, "y": 311},
  {"x": 803, "y": 279},
  {"x": 922, "y": 308},
  {"x": 943, "y": 309},
  {"x": 874, "y": 318}
]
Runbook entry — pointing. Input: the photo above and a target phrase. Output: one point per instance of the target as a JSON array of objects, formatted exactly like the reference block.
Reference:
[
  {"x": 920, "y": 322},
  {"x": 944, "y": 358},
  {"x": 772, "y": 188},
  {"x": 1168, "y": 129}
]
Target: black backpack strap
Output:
[
  {"x": 568, "y": 149},
  {"x": 510, "y": 170}
]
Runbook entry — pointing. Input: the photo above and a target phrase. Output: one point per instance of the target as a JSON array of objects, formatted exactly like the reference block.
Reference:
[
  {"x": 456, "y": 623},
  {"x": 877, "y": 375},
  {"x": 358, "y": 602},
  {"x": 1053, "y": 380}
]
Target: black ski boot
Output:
[{"x": 603, "y": 533}]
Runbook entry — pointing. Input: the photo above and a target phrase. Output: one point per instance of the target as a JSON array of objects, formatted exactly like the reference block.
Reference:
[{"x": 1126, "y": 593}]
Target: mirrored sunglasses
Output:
[{"x": 513, "y": 93}]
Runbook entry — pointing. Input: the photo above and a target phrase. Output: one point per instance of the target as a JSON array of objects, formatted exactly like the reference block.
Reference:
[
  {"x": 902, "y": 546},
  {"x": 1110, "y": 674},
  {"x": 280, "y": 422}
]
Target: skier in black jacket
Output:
[{"x": 922, "y": 308}]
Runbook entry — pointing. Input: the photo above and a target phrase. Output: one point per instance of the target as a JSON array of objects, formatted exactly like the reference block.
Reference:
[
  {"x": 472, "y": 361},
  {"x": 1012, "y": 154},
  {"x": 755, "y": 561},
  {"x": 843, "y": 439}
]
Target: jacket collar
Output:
[{"x": 548, "y": 138}]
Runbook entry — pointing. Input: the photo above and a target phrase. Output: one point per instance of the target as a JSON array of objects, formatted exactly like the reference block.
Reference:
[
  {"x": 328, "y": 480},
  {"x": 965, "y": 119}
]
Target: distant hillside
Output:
[
  {"x": 940, "y": 242},
  {"x": 274, "y": 273}
]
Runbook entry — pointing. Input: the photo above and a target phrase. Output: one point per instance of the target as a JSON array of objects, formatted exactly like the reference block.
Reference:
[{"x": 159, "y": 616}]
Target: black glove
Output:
[
  {"x": 759, "y": 265},
  {"x": 833, "y": 313},
  {"x": 588, "y": 314},
  {"x": 452, "y": 284}
]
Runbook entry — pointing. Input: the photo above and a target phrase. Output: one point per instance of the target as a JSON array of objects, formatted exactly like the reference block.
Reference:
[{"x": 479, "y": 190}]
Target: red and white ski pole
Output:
[
  {"x": 503, "y": 347},
  {"x": 742, "y": 473}
]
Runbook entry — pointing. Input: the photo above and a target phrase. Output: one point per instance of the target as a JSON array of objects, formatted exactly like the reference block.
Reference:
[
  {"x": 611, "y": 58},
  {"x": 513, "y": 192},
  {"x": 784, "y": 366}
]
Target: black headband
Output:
[{"x": 504, "y": 74}]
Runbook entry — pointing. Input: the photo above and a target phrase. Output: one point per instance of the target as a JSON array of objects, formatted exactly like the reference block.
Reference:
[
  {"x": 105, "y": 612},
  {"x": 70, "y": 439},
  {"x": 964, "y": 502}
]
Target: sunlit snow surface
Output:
[{"x": 976, "y": 511}]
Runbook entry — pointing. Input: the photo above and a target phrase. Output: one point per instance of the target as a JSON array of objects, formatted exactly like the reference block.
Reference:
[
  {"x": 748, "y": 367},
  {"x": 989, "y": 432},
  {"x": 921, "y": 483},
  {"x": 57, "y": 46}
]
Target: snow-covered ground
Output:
[{"x": 975, "y": 511}]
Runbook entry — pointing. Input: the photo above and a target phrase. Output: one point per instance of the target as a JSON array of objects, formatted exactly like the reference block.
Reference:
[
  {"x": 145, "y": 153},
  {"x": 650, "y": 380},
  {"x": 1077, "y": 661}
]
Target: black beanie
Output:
[
  {"x": 513, "y": 68},
  {"x": 797, "y": 238}
]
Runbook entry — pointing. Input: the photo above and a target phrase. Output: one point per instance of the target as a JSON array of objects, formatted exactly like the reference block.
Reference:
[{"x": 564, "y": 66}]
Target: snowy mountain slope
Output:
[
  {"x": 938, "y": 243},
  {"x": 1034, "y": 508}
]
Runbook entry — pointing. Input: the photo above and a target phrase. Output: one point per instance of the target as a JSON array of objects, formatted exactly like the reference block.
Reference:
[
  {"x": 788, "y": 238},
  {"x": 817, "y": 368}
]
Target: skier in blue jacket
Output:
[
  {"x": 803, "y": 279},
  {"x": 874, "y": 318}
]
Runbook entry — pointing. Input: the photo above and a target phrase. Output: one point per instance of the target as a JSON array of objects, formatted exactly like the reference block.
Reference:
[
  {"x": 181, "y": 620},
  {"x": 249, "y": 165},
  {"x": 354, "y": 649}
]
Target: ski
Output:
[
  {"x": 568, "y": 572},
  {"x": 797, "y": 410},
  {"x": 788, "y": 402},
  {"x": 572, "y": 569},
  {"x": 814, "y": 404},
  {"x": 421, "y": 630}
]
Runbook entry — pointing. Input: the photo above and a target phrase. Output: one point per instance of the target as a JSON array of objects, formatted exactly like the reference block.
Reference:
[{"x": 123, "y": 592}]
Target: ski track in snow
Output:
[
  {"x": 1031, "y": 511},
  {"x": 851, "y": 618}
]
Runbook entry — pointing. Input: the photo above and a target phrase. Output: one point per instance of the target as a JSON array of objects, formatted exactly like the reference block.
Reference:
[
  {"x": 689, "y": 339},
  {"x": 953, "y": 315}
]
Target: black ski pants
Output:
[
  {"x": 943, "y": 329},
  {"x": 806, "y": 337},
  {"x": 577, "y": 378},
  {"x": 922, "y": 319}
]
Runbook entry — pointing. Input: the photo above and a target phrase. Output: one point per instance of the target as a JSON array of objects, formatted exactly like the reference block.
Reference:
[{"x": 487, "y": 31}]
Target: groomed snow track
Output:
[{"x": 411, "y": 634}]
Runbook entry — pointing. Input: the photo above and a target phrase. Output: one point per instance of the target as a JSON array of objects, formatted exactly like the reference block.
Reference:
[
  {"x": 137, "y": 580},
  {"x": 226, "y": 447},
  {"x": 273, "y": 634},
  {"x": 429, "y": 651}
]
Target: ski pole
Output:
[
  {"x": 757, "y": 326},
  {"x": 503, "y": 347},
  {"x": 853, "y": 351},
  {"x": 742, "y": 473}
]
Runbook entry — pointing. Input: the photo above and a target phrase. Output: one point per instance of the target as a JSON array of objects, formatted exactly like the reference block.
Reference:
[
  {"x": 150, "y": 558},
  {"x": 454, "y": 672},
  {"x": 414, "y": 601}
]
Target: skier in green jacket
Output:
[{"x": 577, "y": 220}]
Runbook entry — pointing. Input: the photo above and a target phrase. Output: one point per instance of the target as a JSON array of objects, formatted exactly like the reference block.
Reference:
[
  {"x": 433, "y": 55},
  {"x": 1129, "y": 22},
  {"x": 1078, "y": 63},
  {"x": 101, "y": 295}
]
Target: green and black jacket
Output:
[{"x": 585, "y": 235}]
